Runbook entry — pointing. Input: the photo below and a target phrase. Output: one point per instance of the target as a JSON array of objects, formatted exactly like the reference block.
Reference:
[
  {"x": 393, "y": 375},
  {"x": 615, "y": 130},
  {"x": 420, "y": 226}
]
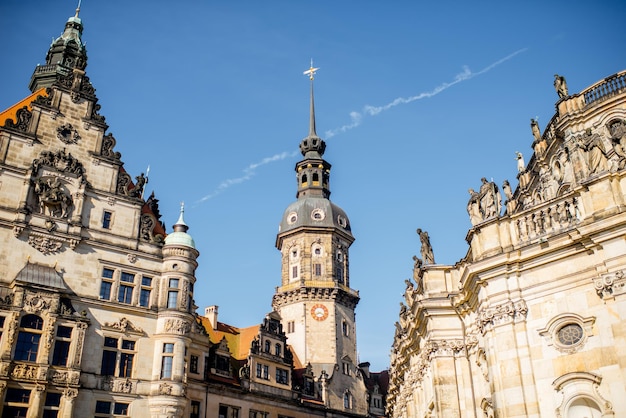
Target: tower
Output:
[{"x": 314, "y": 299}]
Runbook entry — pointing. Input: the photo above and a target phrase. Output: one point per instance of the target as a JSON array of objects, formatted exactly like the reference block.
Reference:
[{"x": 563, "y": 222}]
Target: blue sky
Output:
[{"x": 416, "y": 100}]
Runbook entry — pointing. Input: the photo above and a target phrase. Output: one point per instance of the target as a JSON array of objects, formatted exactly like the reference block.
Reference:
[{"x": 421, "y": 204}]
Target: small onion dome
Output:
[{"x": 180, "y": 235}]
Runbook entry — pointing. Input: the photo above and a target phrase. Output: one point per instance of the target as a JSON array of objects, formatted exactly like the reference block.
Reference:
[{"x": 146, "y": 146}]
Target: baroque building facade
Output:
[
  {"x": 532, "y": 321},
  {"x": 97, "y": 310}
]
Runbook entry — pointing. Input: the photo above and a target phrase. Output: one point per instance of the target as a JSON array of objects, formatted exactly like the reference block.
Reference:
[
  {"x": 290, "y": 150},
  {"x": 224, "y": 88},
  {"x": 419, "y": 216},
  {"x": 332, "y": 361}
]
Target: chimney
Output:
[
  {"x": 365, "y": 367},
  {"x": 210, "y": 312}
]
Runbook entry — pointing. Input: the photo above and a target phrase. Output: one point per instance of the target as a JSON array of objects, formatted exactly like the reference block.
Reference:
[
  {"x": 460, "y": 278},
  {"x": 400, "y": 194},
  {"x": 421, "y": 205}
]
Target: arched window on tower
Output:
[
  {"x": 316, "y": 179},
  {"x": 304, "y": 180}
]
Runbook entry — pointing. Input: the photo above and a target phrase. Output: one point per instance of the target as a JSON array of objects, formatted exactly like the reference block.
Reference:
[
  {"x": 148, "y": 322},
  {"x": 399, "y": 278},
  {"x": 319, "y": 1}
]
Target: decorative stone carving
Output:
[
  {"x": 597, "y": 157},
  {"x": 52, "y": 197},
  {"x": 44, "y": 244},
  {"x": 123, "y": 386},
  {"x": 59, "y": 160},
  {"x": 108, "y": 143},
  {"x": 25, "y": 372},
  {"x": 124, "y": 325},
  {"x": 123, "y": 181},
  {"x": 132, "y": 258},
  {"x": 165, "y": 389},
  {"x": 95, "y": 115},
  {"x": 67, "y": 134},
  {"x": 64, "y": 377},
  {"x": 501, "y": 314},
  {"x": 23, "y": 117},
  {"x": 177, "y": 326},
  {"x": 44, "y": 100},
  {"x": 610, "y": 285}
]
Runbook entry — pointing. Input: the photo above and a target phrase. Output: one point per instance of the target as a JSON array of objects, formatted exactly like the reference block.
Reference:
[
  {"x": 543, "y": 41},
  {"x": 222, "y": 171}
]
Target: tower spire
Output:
[
  {"x": 311, "y": 73},
  {"x": 78, "y": 8}
]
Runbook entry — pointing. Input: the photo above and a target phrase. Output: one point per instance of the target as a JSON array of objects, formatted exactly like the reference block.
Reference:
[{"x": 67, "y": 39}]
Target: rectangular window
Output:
[
  {"x": 61, "y": 353},
  {"x": 346, "y": 369},
  {"x": 174, "y": 283},
  {"x": 282, "y": 376},
  {"x": 103, "y": 407},
  {"x": 195, "y": 409},
  {"x": 120, "y": 408},
  {"x": 27, "y": 346},
  {"x": 51, "y": 406},
  {"x": 317, "y": 269},
  {"x": 339, "y": 274},
  {"x": 109, "y": 356},
  {"x": 146, "y": 290},
  {"x": 227, "y": 411},
  {"x": 127, "y": 277},
  {"x": 127, "y": 357},
  {"x": 294, "y": 272},
  {"x": 172, "y": 299},
  {"x": 16, "y": 403},
  {"x": 167, "y": 361},
  {"x": 263, "y": 371},
  {"x": 258, "y": 414},
  {"x": 291, "y": 327},
  {"x": 106, "y": 219},
  {"x": 125, "y": 294},
  {"x": 345, "y": 328},
  {"x": 107, "y": 284},
  {"x": 193, "y": 364}
]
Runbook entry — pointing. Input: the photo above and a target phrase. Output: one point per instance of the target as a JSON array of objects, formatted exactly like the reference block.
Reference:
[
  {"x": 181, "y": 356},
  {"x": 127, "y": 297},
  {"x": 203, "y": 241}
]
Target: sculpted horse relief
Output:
[{"x": 52, "y": 197}]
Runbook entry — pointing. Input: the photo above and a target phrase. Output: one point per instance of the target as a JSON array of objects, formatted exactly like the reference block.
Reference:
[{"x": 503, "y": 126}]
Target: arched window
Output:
[
  {"x": 304, "y": 179},
  {"x": 267, "y": 346},
  {"x": 316, "y": 179},
  {"x": 583, "y": 407},
  {"x": 347, "y": 400},
  {"x": 277, "y": 350},
  {"x": 28, "y": 339}
]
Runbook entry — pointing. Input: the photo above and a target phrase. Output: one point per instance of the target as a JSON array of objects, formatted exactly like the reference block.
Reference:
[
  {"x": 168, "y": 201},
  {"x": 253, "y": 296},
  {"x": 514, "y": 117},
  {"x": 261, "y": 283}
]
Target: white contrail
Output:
[
  {"x": 248, "y": 173},
  {"x": 357, "y": 117}
]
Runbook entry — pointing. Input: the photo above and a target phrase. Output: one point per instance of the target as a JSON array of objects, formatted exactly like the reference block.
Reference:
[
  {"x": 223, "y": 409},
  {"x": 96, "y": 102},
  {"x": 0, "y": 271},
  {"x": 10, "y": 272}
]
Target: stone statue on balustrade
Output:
[
  {"x": 490, "y": 200},
  {"x": 509, "y": 203},
  {"x": 534, "y": 127},
  {"x": 560, "y": 85},
  {"x": 521, "y": 165},
  {"x": 427, "y": 250},
  {"x": 473, "y": 207}
]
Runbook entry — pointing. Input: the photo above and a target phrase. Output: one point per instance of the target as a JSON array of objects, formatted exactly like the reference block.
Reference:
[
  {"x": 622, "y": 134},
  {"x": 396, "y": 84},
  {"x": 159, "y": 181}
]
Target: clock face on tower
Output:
[{"x": 319, "y": 312}]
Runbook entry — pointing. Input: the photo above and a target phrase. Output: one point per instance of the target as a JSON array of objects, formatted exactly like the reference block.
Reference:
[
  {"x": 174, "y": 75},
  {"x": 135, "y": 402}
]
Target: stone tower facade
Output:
[{"x": 314, "y": 299}]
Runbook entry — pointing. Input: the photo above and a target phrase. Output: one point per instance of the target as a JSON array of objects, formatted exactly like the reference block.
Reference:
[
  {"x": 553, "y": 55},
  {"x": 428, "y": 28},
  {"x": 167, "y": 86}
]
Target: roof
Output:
[
  {"x": 10, "y": 113},
  {"x": 40, "y": 275},
  {"x": 238, "y": 339}
]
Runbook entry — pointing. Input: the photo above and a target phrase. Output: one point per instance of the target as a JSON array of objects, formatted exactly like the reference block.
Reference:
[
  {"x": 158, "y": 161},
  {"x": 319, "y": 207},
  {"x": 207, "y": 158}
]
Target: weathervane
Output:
[{"x": 311, "y": 71}]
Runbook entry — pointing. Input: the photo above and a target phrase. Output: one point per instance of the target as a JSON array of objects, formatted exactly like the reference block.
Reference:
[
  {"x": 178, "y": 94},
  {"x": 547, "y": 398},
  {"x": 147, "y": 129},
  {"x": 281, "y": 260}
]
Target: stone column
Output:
[
  {"x": 66, "y": 409},
  {"x": 36, "y": 402}
]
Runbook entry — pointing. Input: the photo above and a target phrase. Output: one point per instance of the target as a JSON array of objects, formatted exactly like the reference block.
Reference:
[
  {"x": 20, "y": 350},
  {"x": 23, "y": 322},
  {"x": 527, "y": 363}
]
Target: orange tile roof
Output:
[
  {"x": 238, "y": 339},
  {"x": 10, "y": 113}
]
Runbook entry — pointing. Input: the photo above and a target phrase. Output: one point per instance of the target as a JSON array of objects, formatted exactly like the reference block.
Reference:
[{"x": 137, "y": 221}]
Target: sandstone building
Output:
[
  {"x": 532, "y": 321},
  {"x": 97, "y": 311}
]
